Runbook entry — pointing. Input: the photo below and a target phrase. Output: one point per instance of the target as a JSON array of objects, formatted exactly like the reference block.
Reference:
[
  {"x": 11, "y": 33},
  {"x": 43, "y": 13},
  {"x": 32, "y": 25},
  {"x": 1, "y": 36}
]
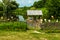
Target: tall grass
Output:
[{"x": 13, "y": 26}]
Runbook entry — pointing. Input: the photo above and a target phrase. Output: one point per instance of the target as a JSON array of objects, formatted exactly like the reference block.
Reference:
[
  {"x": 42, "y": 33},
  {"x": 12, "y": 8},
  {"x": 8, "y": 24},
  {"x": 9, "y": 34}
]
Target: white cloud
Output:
[
  {"x": 0, "y": 0},
  {"x": 30, "y": 1}
]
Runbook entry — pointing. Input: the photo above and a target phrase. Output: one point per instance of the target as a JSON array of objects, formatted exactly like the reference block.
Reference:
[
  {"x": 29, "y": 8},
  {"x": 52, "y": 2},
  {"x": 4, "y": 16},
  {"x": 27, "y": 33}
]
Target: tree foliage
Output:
[
  {"x": 7, "y": 6},
  {"x": 53, "y": 7},
  {"x": 1, "y": 7},
  {"x": 39, "y": 4}
]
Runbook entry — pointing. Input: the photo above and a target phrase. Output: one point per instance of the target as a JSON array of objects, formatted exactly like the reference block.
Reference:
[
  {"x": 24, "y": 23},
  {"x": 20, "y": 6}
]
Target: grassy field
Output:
[{"x": 28, "y": 35}]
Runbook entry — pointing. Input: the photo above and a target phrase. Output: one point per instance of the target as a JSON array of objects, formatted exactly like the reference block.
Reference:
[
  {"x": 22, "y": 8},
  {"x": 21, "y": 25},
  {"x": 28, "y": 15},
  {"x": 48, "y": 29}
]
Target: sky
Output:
[{"x": 23, "y": 3}]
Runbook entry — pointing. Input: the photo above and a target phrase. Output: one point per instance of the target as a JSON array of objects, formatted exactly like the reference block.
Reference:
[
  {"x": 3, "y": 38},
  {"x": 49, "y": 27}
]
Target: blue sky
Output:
[{"x": 23, "y": 3}]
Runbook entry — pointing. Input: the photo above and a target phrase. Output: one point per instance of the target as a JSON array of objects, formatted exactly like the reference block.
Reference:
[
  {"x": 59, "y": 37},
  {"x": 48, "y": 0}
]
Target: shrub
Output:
[{"x": 13, "y": 26}]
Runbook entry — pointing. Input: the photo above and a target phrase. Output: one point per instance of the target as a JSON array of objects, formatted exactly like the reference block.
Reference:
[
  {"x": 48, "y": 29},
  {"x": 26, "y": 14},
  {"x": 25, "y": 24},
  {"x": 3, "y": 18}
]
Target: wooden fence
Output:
[{"x": 50, "y": 26}]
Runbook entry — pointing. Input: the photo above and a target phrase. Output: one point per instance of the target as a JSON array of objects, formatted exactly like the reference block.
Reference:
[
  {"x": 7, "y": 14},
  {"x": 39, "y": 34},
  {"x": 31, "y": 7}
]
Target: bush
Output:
[{"x": 13, "y": 26}]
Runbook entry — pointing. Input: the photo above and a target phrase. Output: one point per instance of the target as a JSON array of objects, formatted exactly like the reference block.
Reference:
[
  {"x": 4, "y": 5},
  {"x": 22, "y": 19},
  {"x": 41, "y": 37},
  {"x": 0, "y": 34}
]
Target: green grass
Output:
[
  {"x": 28, "y": 35},
  {"x": 13, "y": 26}
]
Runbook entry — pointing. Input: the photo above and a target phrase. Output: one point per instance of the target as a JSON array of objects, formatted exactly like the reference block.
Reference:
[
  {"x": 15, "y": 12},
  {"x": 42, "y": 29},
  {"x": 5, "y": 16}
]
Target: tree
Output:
[
  {"x": 32, "y": 8},
  {"x": 5, "y": 4},
  {"x": 24, "y": 11},
  {"x": 8, "y": 7},
  {"x": 39, "y": 4},
  {"x": 53, "y": 7},
  {"x": 1, "y": 7},
  {"x": 21, "y": 11}
]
